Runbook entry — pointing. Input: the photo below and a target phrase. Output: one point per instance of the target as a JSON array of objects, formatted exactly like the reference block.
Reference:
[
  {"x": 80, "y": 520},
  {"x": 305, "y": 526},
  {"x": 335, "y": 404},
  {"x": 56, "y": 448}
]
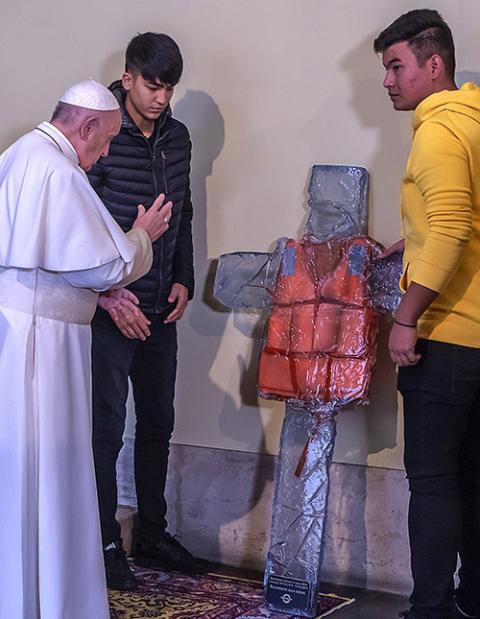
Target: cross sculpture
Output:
[{"x": 325, "y": 294}]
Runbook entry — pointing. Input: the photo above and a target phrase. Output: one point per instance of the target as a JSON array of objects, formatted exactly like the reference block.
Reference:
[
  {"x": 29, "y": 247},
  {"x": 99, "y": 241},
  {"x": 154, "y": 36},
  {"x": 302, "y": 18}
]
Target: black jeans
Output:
[
  {"x": 441, "y": 397},
  {"x": 151, "y": 366}
]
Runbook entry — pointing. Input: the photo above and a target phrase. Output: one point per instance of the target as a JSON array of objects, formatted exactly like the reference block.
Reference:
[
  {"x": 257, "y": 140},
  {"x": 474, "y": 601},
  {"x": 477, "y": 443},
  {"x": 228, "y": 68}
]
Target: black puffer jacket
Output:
[{"x": 135, "y": 171}]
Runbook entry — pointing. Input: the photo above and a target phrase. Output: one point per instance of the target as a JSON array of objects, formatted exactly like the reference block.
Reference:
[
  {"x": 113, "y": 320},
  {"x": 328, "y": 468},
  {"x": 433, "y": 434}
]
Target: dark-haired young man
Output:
[
  {"x": 439, "y": 374},
  {"x": 151, "y": 155}
]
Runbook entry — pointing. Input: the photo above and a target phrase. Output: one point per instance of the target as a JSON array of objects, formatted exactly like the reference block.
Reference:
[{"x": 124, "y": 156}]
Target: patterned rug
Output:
[{"x": 164, "y": 595}]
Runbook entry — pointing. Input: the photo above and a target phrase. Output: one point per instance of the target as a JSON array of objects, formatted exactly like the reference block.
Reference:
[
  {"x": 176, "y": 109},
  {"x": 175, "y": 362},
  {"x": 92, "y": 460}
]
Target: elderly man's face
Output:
[{"x": 97, "y": 141}]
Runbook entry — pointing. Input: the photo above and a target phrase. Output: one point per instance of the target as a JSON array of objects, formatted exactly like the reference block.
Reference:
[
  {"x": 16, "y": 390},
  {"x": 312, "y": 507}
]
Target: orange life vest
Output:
[{"x": 320, "y": 341}]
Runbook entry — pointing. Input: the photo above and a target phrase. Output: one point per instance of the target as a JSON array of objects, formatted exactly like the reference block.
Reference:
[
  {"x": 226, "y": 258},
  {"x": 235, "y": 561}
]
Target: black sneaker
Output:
[
  {"x": 457, "y": 614},
  {"x": 461, "y": 614},
  {"x": 168, "y": 554},
  {"x": 118, "y": 573}
]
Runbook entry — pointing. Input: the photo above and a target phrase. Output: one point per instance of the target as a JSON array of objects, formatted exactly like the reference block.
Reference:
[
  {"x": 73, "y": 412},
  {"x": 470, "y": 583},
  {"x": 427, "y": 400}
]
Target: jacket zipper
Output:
[{"x": 153, "y": 158}]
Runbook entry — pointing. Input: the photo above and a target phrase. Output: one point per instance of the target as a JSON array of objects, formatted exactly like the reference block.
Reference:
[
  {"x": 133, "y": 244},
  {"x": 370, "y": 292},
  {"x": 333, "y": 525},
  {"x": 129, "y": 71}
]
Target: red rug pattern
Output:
[{"x": 164, "y": 595}]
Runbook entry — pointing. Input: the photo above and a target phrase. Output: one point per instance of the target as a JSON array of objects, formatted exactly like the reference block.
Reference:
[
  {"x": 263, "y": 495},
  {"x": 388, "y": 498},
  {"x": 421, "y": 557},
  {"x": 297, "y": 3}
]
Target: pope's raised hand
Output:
[{"x": 154, "y": 220}]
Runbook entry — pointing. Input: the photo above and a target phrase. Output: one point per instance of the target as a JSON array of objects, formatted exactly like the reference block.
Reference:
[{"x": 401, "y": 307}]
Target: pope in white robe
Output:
[{"x": 58, "y": 247}]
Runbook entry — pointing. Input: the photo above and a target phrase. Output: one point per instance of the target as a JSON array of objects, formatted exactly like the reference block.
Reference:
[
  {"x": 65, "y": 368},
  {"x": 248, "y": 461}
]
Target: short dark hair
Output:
[
  {"x": 426, "y": 32},
  {"x": 155, "y": 57}
]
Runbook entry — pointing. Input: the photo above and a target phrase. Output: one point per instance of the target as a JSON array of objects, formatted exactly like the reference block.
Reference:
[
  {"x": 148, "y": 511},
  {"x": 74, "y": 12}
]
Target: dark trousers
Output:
[
  {"x": 151, "y": 366},
  {"x": 441, "y": 397}
]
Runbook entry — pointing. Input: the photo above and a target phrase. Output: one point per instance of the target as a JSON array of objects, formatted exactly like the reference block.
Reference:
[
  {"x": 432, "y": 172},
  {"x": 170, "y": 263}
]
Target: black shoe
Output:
[
  {"x": 168, "y": 554},
  {"x": 457, "y": 614},
  {"x": 461, "y": 614},
  {"x": 118, "y": 573}
]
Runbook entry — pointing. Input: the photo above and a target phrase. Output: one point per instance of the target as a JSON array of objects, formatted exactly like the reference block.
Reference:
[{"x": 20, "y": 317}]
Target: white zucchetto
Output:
[{"x": 90, "y": 95}]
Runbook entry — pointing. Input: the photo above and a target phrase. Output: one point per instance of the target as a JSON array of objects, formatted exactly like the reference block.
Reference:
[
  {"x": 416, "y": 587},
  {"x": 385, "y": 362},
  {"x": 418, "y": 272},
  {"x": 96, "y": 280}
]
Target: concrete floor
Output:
[{"x": 368, "y": 604}]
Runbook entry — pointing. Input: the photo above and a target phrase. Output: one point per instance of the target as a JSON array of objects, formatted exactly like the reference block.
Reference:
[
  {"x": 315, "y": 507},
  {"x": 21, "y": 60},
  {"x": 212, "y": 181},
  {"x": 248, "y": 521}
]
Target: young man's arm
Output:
[
  {"x": 182, "y": 275},
  {"x": 440, "y": 168},
  {"x": 183, "y": 258},
  {"x": 182, "y": 267},
  {"x": 403, "y": 335}
]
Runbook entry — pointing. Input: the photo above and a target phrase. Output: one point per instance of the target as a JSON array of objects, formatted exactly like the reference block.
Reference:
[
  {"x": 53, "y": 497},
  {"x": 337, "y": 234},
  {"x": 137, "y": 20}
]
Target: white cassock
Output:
[{"x": 58, "y": 245}]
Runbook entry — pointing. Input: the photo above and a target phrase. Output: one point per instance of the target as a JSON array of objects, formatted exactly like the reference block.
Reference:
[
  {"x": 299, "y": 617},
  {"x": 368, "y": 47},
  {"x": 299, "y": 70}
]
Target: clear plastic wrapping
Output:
[
  {"x": 338, "y": 201},
  {"x": 300, "y": 505},
  {"x": 384, "y": 282},
  {"x": 326, "y": 293},
  {"x": 246, "y": 279},
  {"x": 320, "y": 340}
]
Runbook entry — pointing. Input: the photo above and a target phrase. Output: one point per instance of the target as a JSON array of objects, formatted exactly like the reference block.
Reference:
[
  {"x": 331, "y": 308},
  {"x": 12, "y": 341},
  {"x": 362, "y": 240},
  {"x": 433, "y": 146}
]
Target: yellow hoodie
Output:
[{"x": 441, "y": 214}]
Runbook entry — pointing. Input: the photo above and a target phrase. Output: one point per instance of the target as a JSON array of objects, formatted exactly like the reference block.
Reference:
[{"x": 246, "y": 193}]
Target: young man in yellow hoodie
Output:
[{"x": 435, "y": 338}]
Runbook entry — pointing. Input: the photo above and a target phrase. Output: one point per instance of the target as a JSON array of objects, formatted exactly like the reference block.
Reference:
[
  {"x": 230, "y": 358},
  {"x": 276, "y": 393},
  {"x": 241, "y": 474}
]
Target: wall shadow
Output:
[
  {"x": 207, "y": 318},
  {"x": 377, "y": 423},
  {"x": 372, "y": 107}
]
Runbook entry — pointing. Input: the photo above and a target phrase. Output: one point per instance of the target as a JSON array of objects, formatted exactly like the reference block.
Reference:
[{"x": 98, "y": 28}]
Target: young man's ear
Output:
[
  {"x": 437, "y": 66},
  {"x": 127, "y": 81},
  {"x": 88, "y": 126}
]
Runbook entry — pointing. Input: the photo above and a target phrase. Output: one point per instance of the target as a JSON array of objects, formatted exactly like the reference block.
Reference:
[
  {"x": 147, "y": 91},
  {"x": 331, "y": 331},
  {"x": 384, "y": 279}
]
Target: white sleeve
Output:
[{"x": 116, "y": 273}]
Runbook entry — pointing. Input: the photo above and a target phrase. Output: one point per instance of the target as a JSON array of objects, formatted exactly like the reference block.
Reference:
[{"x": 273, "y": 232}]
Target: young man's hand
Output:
[
  {"x": 401, "y": 345},
  {"x": 403, "y": 335},
  {"x": 179, "y": 296}
]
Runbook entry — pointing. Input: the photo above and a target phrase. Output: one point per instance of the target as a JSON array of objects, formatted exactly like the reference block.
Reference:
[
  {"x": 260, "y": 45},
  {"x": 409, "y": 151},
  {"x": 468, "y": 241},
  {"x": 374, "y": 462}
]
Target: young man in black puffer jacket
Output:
[{"x": 151, "y": 155}]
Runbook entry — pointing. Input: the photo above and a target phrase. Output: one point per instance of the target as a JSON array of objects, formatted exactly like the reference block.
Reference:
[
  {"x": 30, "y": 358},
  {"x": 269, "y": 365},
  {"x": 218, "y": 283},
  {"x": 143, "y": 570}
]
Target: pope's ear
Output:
[{"x": 87, "y": 127}]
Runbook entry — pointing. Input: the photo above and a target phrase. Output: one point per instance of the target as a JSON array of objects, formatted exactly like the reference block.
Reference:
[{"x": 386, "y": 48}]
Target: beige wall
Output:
[{"x": 270, "y": 88}]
